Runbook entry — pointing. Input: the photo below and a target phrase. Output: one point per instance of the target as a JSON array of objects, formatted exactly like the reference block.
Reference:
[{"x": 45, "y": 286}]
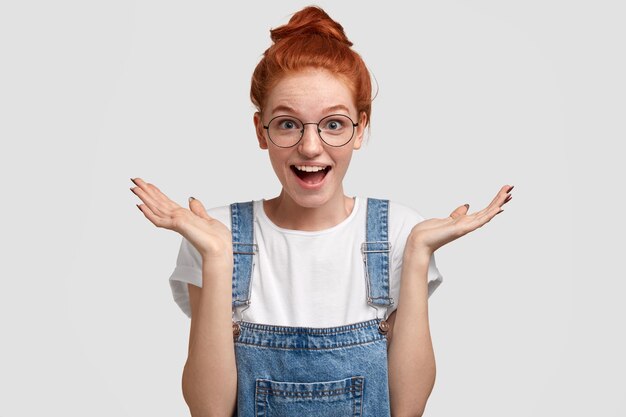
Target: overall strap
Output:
[
  {"x": 244, "y": 248},
  {"x": 375, "y": 252}
]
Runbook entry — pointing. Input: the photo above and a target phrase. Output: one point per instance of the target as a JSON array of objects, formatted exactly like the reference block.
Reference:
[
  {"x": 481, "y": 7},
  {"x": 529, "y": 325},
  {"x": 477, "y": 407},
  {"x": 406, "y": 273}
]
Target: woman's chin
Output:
[{"x": 307, "y": 198}]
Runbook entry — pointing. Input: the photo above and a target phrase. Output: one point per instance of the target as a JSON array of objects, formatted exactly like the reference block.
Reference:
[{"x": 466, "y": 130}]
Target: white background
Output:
[{"x": 472, "y": 96}]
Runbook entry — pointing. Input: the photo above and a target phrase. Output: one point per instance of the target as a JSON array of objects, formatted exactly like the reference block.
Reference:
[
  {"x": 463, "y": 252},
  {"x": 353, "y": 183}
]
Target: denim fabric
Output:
[
  {"x": 375, "y": 252},
  {"x": 285, "y": 371},
  {"x": 242, "y": 230}
]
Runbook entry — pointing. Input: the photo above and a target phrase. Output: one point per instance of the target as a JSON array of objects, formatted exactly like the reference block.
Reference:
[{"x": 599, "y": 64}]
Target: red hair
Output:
[{"x": 312, "y": 39}]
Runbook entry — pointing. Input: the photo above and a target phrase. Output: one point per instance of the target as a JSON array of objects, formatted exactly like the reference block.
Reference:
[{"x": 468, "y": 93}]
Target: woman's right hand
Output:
[{"x": 209, "y": 236}]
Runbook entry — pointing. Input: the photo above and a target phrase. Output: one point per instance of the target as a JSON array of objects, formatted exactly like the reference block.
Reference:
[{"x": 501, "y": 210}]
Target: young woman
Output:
[{"x": 311, "y": 302}]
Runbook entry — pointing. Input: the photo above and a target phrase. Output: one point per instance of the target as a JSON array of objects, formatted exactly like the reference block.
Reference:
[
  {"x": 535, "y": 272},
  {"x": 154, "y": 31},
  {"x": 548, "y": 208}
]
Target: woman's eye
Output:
[
  {"x": 288, "y": 124},
  {"x": 334, "y": 124}
]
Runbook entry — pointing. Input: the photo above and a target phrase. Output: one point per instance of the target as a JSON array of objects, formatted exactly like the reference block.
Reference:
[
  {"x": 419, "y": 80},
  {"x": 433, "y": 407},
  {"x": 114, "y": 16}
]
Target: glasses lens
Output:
[
  {"x": 285, "y": 130},
  {"x": 336, "y": 130}
]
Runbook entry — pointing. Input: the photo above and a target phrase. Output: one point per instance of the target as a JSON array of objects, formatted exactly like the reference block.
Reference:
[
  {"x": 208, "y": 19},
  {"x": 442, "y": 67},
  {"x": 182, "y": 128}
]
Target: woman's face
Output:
[{"x": 310, "y": 95}]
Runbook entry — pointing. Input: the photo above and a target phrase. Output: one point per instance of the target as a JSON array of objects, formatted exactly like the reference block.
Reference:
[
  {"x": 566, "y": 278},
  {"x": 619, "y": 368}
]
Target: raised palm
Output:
[
  {"x": 209, "y": 236},
  {"x": 429, "y": 235}
]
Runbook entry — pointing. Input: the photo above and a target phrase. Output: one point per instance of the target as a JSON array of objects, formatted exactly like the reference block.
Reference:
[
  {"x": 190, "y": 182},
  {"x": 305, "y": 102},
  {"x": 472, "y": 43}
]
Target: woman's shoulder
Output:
[
  {"x": 220, "y": 213},
  {"x": 405, "y": 212},
  {"x": 223, "y": 213}
]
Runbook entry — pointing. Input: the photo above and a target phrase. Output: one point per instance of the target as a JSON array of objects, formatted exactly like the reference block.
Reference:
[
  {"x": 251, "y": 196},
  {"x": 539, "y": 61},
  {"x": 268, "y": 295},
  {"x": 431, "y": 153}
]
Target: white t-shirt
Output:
[{"x": 308, "y": 278}]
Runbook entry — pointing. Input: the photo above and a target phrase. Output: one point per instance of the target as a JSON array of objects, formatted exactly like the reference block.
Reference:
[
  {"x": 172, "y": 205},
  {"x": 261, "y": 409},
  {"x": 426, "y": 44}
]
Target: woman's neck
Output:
[{"x": 287, "y": 214}]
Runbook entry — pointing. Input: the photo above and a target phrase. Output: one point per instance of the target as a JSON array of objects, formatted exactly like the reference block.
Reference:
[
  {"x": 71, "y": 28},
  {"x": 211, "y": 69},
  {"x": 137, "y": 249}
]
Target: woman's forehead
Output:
[{"x": 310, "y": 91}]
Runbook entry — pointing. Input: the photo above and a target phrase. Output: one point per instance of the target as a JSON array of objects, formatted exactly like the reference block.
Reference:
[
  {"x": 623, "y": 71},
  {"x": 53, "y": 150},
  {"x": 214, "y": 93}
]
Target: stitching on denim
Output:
[
  {"x": 377, "y": 339},
  {"x": 271, "y": 328}
]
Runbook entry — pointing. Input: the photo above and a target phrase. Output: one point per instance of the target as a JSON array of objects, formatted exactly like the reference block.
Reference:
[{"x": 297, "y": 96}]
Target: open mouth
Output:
[{"x": 310, "y": 174}]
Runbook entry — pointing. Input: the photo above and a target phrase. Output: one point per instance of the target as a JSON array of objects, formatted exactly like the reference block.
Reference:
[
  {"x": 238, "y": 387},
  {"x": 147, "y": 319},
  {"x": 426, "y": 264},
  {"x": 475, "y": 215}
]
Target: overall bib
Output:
[{"x": 285, "y": 371}]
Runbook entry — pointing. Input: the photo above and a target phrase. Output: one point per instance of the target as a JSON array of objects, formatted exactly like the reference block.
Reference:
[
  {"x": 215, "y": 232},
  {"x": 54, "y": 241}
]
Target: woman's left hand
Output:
[{"x": 429, "y": 235}]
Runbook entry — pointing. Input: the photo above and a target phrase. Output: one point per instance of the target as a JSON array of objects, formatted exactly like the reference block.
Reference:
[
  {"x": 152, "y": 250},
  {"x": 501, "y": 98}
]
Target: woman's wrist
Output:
[
  {"x": 419, "y": 255},
  {"x": 221, "y": 261}
]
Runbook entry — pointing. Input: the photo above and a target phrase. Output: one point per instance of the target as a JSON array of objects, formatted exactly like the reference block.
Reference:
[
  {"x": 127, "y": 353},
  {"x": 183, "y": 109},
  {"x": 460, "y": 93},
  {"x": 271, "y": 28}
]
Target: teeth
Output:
[{"x": 309, "y": 168}]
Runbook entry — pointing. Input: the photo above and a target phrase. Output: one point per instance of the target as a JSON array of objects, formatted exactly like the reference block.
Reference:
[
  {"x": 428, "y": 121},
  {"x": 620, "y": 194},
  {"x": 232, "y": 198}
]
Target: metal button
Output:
[
  {"x": 383, "y": 327},
  {"x": 236, "y": 330}
]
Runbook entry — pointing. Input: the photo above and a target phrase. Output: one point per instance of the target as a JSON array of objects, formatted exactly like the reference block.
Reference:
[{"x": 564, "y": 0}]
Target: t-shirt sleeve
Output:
[
  {"x": 188, "y": 269},
  {"x": 402, "y": 219}
]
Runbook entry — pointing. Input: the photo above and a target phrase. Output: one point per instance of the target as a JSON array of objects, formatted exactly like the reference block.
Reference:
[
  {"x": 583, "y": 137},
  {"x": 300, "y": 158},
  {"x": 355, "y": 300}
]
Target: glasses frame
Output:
[{"x": 319, "y": 131}]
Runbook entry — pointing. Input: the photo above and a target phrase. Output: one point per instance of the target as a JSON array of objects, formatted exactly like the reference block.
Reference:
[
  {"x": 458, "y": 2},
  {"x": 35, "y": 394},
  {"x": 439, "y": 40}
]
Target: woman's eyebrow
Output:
[
  {"x": 285, "y": 108},
  {"x": 337, "y": 107}
]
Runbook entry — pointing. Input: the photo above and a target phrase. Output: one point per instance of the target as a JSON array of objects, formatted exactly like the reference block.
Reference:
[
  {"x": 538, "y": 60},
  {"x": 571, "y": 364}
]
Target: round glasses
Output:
[{"x": 334, "y": 130}]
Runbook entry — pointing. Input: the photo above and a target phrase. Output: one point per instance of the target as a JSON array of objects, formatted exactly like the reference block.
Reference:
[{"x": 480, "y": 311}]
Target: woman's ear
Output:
[
  {"x": 360, "y": 131},
  {"x": 259, "y": 129}
]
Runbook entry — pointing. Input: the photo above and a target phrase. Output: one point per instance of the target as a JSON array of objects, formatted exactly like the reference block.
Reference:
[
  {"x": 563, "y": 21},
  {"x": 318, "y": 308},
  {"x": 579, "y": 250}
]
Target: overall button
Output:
[
  {"x": 383, "y": 327},
  {"x": 236, "y": 330}
]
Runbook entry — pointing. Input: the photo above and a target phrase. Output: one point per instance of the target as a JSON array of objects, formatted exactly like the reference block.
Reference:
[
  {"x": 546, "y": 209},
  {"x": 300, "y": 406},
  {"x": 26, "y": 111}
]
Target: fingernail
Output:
[
  {"x": 466, "y": 205},
  {"x": 501, "y": 210},
  {"x": 133, "y": 181},
  {"x": 510, "y": 188},
  {"x": 139, "y": 208},
  {"x": 191, "y": 198}
]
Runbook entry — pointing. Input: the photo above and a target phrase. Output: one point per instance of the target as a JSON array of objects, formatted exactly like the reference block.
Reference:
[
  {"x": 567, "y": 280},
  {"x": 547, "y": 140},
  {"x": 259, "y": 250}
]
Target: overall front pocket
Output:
[{"x": 340, "y": 398}]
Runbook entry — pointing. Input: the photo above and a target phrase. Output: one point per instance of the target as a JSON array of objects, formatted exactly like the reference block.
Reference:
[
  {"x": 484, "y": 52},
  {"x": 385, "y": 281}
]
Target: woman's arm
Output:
[
  {"x": 410, "y": 352},
  {"x": 411, "y": 359},
  {"x": 210, "y": 373}
]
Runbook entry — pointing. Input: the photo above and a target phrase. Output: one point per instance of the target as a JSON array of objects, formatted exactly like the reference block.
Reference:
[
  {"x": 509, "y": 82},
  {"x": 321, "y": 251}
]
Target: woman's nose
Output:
[{"x": 311, "y": 143}]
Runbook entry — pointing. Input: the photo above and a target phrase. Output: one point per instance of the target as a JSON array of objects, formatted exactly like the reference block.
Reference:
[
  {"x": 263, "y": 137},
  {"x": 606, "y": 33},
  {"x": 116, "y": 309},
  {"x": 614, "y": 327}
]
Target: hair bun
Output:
[{"x": 310, "y": 21}]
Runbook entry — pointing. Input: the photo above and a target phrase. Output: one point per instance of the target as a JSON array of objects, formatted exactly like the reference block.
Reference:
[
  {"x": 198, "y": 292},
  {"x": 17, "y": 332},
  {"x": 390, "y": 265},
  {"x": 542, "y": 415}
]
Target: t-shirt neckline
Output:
[{"x": 260, "y": 210}]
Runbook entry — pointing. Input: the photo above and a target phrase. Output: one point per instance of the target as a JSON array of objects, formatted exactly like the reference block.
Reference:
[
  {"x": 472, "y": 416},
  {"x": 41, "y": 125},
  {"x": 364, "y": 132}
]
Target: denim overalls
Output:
[{"x": 305, "y": 371}]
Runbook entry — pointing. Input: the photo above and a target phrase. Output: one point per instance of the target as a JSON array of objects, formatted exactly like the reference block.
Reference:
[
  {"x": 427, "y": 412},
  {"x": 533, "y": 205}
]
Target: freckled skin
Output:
[{"x": 309, "y": 93}]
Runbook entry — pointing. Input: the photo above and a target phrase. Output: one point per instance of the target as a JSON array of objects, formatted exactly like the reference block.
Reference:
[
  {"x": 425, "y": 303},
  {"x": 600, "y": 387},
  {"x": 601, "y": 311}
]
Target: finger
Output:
[
  {"x": 154, "y": 192},
  {"x": 460, "y": 211},
  {"x": 160, "y": 204},
  {"x": 507, "y": 198},
  {"x": 484, "y": 219},
  {"x": 157, "y": 221},
  {"x": 152, "y": 204},
  {"x": 158, "y": 194},
  {"x": 197, "y": 208},
  {"x": 500, "y": 196},
  {"x": 497, "y": 201},
  {"x": 489, "y": 214}
]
